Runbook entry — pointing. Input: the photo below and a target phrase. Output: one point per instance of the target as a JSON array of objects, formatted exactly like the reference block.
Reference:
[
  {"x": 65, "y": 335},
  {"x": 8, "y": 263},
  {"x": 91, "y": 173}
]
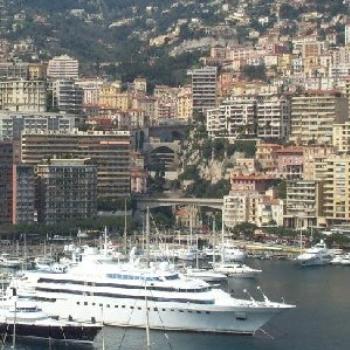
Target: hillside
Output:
[{"x": 155, "y": 38}]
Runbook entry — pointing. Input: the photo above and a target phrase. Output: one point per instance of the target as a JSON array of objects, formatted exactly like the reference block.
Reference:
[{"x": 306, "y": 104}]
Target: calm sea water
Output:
[{"x": 320, "y": 322}]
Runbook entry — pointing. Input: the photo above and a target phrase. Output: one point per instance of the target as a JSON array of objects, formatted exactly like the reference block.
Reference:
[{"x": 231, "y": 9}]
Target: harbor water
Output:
[{"x": 320, "y": 321}]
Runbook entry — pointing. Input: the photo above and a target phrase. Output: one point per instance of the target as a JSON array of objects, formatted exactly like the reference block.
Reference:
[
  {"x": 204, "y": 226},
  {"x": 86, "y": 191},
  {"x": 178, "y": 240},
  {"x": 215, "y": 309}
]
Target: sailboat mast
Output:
[
  {"x": 147, "y": 235},
  {"x": 143, "y": 234},
  {"x": 105, "y": 241},
  {"x": 191, "y": 226},
  {"x": 214, "y": 239},
  {"x": 222, "y": 237},
  {"x": 125, "y": 225},
  {"x": 148, "y": 337},
  {"x": 14, "y": 325}
]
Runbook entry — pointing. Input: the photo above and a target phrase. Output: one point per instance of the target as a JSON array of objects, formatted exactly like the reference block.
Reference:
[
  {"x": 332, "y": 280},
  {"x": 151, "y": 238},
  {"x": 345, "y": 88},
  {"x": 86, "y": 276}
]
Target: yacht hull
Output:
[{"x": 164, "y": 316}]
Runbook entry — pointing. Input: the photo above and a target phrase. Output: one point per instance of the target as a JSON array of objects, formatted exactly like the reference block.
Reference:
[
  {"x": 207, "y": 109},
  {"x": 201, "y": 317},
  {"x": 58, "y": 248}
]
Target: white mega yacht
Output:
[
  {"x": 319, "y": 254},
  {"x": 117, "y": 295}
]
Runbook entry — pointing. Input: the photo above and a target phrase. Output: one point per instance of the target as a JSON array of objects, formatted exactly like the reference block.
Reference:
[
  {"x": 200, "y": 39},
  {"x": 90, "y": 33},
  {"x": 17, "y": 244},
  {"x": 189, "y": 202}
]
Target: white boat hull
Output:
[
  {"x": 316, "y": 261},
  {"x": 164, "y": 316}
]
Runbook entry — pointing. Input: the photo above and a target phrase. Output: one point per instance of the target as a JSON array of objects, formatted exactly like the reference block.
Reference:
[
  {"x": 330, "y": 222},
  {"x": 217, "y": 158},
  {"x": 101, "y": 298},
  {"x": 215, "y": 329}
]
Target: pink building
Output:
[
  {"x": 251, "y": 183},
  {"x": 290, "y": 160}
]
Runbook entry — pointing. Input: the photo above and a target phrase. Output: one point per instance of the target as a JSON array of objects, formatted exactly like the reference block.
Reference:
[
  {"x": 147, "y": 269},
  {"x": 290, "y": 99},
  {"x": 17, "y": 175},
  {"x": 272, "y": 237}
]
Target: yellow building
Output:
[
  {"x": 110, "y": 96},
  {"x": 336, "y": 193},
  {"x": 37, "y": 71},
  {"x": 313, "y": 116},
  {"x": 184, "y": 103},
  {"x": 253, "y": 88},
  {"x": 284, "y": 62},
  {"x": 341, "y": 137}
]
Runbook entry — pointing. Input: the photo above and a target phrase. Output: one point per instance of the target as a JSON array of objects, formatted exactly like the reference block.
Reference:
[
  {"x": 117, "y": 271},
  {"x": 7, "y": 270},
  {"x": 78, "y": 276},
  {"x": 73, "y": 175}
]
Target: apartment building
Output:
[
  {"x": 37, "y": 71},
  {"x": 290, "y": 162},
  {"x": 204, "y": 88},
  {"x": 303, "y": 203},
  {"x": 13, "y": 123},
  {"x": 6, "y": 176},
  {"x": 66, "y": 189},
  {"x": 110, "y": 151},
  {"x": 23, "y": 203},
  {"x": 236, "y": 116},
  {"x": 341, "y": 137},
  {"x": 273, "y": 118},
  {"x": 336, "y": 196},
  {"x": 314, "y": 161},
  {"x": 140, "y": 85},
  {"x": 13, "y": 70},
  {"x": 91, "y": 90},
  {"x": 347, "y": 33},
  {"x": 184, "y": 103},
  {"x": 67, "y": 96},
  {"x": 63, "y": 67},
  {"x": 313, "y": 116},
  {"x": 256, "y": 208},
  {"x": 111, "y": 97},
  {"x": 166, "y": 102},
  {"x": 23, "y": 95}
]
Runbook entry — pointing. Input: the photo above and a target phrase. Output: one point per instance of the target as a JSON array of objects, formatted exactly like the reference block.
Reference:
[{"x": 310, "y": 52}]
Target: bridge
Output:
[{"x": 154, "y": 202}]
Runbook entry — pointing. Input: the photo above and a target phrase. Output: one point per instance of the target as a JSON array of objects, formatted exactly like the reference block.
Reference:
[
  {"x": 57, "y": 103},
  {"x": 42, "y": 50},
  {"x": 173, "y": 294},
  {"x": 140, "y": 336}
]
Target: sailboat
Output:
[{"x": 207, "y": 275}]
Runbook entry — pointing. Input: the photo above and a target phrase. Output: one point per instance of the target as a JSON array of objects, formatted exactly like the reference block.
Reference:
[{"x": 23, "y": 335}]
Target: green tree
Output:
[{"x": 251, "y": 72}]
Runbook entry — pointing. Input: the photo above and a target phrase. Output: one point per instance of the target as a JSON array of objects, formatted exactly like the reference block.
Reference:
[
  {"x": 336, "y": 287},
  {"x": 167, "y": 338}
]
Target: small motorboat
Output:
[{"x": 236, "y": 270}]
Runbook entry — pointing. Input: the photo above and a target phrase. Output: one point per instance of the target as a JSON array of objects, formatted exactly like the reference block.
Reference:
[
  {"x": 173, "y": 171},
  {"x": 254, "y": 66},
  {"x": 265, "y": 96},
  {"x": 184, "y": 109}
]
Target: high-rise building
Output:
[
  {"x": 66, "y": 189},
  {"x": 23, "y": 210},
  {"x": 336, "y": 194},
  {"x": 6, "y": 176},
  {"x": 110, "y": 151},
  {"x": 23, "y": 95},
  {"x": 347, "y": 33},
  {"x": 204, "y": 88},
  {"x": 13, "y": 123},
  {"x": 273, "y": 118},
  {"x": 313, "y": 116},
  {"x": 67, "y": 96},
  {"x": 63, "y": 67}
]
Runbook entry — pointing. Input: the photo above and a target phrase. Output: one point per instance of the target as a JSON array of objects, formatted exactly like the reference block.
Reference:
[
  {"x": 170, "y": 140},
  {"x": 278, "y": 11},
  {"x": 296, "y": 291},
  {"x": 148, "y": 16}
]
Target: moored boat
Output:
[
  {"x": 22, "y": 318},
  {"x": 236, "y": 270},
  {"x": 317, "y": 255}
]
